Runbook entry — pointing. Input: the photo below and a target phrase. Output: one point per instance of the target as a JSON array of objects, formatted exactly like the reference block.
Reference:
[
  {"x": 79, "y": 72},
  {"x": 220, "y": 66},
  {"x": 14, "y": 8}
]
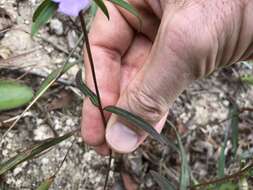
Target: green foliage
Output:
[
  {"x": 123, "y": 4},
  {"x": 30, "y": 153},
  {"x": 53, "y": 76},
  {"x": 248, "y": 79},
  {"x": 228, "y": 186},
  {"x": 131, "y": 118},
  {"x": 234, "y": 125},
  {"x": 14, "y": 95},
  {"x": 222, "y": 157},
  {"x": 93, "y": 9},
  {"x": 185, "y": 176},
  {"x": 101, "y": 5},
  {"x": 42, "y": 14}
]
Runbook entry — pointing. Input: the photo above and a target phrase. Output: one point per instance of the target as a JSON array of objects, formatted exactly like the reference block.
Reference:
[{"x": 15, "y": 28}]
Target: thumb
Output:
[
  {"x": 149, "y": 96},
  {"x": 172, "y": 65}
]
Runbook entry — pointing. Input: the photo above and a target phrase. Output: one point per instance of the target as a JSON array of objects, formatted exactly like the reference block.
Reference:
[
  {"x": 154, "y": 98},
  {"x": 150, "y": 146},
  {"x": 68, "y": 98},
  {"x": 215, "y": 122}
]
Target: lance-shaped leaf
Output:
[
  {"x": 85, "y": 89},
  {"x": 140, "y": 123},
  {"x": 185, "y": 169},
  {"x": 42, "y": 14},
  {"x": 125, "y": 5},
  {"x": 14, "y": 95},
  {"x": 101, "y": 5},
  {"x": 162, "y": 181},
  {"x": 53, "y": 76},
  {"x": 45, "y": 185},
  {"x": 185, "y": 173},
  {"x": 31, "y": 153}
]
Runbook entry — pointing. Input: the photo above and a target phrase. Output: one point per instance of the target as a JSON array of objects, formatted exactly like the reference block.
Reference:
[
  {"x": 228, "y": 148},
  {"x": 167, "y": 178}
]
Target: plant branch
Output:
[
  {"x": 88, "y": 48},
  {"x": 224, "y": 179},
  {"x": 93, "y": 70}
]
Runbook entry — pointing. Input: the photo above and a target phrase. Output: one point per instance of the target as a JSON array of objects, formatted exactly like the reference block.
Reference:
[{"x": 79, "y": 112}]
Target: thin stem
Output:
[
  {"x": 93, "y": 70},
  {"x": 227, "y": 178},
  {"x": 88, "y": 48}
]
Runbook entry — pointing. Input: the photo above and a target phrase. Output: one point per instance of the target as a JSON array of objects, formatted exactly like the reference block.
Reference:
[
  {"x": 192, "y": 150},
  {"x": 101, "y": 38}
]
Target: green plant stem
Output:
[
  {"x": 93, "y": 70},
  {"x": 224, "y": 179}
]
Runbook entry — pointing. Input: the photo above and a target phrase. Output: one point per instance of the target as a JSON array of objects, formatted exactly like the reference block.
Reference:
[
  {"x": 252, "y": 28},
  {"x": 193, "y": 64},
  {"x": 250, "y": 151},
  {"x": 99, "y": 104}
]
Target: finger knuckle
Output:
[{"x": 143, "y": 104}]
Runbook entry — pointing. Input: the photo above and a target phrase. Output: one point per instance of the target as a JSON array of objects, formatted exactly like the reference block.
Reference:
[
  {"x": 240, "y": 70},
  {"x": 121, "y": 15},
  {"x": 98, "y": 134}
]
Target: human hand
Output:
[{"x": 180, "y": 41}]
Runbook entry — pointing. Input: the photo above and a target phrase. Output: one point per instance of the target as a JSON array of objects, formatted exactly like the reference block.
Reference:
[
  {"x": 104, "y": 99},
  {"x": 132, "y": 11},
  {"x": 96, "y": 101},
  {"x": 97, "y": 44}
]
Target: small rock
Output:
[
  {"x": 42, "y": 133},
  {"x": 56, "y": 26},
  {"x": 72, "y": 39}
]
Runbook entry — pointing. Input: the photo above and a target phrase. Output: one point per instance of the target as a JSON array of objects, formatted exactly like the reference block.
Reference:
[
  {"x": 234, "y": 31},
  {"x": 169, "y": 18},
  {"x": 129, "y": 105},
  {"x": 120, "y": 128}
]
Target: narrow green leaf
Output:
[
  {"x": 247, "y": 79},
  {"x": 140, "y": 123},
  {"x": 39, "y": 9},
  {"x": 53, "y": 75},
  {"x": 14, "y": 95},
  {"x": 162, "y": 181},
  {"x": 234, "y": 125},
  {"x": 185, "y": 173},
  {"x": 185, "y": 176},
  {"x": 85, "y": 89},
  {"x": 31, "y": 153},
  {"x": 93, "y": 9},
  {"x": 222, "y": 157},
  {"x": 101, "y": 5},
  {"x": 45, "y": 185},
  {"x": 128, "y": 7},
  {"x": 43, "y": 13}
]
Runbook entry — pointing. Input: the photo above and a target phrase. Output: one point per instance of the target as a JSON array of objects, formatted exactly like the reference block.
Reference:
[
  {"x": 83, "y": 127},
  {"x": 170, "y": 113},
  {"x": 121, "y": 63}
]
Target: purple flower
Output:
[{"x": 72, "y": 7}]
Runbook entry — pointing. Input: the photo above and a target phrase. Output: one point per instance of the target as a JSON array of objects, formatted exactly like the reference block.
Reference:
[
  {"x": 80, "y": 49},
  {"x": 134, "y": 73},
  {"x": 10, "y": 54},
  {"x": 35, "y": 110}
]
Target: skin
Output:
[{"x": 144, "y": 72}]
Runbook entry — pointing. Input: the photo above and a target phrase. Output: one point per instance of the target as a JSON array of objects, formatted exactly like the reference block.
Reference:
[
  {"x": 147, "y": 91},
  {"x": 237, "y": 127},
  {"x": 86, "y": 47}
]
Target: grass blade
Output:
[
  {"x": 222, "y": 157},
  {"x": 53, "y": 75},
  {"x": 140, "y": 123},
  {"x": 31, "y": 153},
  {"x": 127, "y": 6},
  {"x": 45, "y": 185},
  {"x": 85, "y": 89},
  {"x": 162, "y": 181},
  {"x": 234, "y": 126},
  {"x": 39, "y": 9},
  {"x": 42, "y": 14},
  {"x": 46, "y": 84},
  {"x": 93, "y": 10},
  {"x": 101, "y": 5},
  {"x": 14, "y": 95},
  {"x": 185, "y": 176}
]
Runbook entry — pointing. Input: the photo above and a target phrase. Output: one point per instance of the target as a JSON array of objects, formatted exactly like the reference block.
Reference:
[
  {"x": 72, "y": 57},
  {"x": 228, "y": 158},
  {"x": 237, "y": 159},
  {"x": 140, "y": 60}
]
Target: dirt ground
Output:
[{"x": 201, "y": 114}]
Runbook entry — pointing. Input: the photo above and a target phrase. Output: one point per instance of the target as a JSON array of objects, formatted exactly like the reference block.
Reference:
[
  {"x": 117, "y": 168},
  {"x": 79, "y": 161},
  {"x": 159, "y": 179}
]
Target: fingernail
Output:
[{"x": 121, "y": 138}]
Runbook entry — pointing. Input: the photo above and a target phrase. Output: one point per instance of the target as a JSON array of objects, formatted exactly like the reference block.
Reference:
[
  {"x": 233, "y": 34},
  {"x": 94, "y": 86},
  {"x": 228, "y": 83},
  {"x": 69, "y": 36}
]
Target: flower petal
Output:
[{"x": 73, "y": 7}]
